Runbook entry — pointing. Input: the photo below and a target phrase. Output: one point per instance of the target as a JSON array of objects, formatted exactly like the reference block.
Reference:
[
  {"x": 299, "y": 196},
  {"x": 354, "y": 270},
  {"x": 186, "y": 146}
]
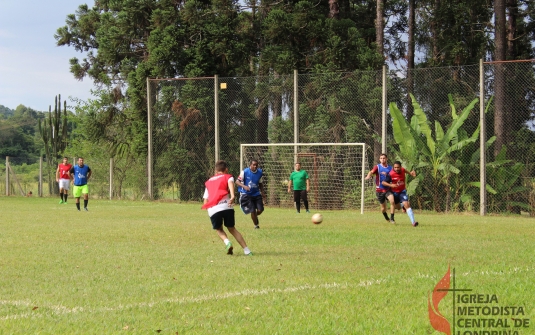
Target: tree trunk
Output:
[
  {"x": 434, "y": 34},
  {"x": 379, "y": 40},
  {"x": 499, "y": 83},
  {"x": 410, "y": 58},
  {"x": 334, "y": 9}
]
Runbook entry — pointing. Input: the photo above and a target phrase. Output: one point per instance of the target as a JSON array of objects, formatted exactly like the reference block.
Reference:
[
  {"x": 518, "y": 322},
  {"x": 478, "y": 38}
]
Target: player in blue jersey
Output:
[
  {"x": 382, "y": 192},
  {"x": 80, "y": 174},
  {"x": 251, "y": 191}
]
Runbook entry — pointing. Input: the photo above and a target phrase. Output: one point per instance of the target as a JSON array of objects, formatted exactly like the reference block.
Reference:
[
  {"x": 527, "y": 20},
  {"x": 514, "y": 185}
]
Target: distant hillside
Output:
[{"x": 5, "y": 112}]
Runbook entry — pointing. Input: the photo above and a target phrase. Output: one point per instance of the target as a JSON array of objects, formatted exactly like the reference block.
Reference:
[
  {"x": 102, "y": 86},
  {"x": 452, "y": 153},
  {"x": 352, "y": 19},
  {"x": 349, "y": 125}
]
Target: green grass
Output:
[{"x": 150, "y": 267}]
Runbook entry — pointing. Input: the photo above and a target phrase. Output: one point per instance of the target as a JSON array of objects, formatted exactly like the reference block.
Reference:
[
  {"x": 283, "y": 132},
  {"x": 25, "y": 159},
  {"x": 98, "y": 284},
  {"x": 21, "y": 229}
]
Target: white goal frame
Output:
[{"x": 296, "y": 155}]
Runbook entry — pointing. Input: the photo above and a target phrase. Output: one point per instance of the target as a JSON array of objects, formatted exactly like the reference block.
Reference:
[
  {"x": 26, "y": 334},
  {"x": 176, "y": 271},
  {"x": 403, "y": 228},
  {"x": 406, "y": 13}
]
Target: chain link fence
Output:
[
  {"x": 347, "y": 107},
  {"x": 198, "y": 120}
]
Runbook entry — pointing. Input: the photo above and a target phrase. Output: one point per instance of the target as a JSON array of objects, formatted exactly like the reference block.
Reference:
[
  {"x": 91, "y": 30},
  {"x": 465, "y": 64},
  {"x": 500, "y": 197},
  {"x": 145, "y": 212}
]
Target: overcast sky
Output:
[{"x": 33, "y": 70}]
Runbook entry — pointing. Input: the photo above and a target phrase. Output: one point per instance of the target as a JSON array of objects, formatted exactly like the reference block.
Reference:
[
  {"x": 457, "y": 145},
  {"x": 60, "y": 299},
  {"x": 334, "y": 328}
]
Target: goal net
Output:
[{"x": 336, "y": 172}]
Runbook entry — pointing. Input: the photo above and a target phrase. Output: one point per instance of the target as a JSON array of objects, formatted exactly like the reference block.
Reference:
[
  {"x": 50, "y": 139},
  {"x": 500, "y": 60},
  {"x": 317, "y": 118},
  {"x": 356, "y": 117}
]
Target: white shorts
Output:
[{"x": 64, "y": 184}]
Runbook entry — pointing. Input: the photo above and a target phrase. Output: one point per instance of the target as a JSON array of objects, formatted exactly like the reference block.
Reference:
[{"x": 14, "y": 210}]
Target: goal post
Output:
[{"x": 336, "y": 171}]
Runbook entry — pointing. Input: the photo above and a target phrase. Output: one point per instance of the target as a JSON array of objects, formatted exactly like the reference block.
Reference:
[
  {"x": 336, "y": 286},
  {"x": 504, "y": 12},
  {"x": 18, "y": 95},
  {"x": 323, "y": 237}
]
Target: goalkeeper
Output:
[{"x": 301, "y": 183}]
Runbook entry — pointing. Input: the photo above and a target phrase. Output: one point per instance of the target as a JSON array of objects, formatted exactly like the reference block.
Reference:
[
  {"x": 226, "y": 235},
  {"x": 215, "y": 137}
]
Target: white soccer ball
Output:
[{"x": 317, "y": 218}]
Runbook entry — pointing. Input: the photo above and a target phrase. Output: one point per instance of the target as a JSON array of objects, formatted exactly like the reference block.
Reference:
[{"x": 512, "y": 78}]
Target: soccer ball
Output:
[{"x": 317, "y": 218}]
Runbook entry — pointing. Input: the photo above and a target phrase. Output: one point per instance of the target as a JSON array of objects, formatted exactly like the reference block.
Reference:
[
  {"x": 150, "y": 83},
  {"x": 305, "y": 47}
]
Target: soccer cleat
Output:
[
  {"x": 60, "y": 202},
  {"x": 249, "y": 254},
  {"x": 85, "y": 209},
  {"x": 392, "y": 222},
  {"x": 298, "y": 212},
  {"x": 415, "y": 224},
  {"x": 230, "y": 248},
  {"x": 308, "y": 211},
  {"x": 256, "y": 226},
  {"x": 78, "y": 209}
]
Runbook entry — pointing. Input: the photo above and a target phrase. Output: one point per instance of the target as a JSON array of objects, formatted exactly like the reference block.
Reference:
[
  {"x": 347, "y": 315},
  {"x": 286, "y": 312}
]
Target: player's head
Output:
[
  {"x": 221, "y": 166},
  {"x": 65, "y": 160},
  {"x": 383, "y": 158},
  {"x": 254, "y": 165},
  {"x": 397, "y": 166},
  {"x": 80, "y": 161},
  {"x": 297, "y": 166}
]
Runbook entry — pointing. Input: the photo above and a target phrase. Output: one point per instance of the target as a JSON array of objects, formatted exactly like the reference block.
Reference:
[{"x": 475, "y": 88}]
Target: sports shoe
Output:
[
  {"x": 78, "y": 209},
  {"x": 308, "y": 211},
  {"x": 298, "y": 212},
  {"x": 60, "y": 202},
  {"x": 256, "y": 226},
  {"x": 415, "y": 224},
  {"x": 230, "y": 248},
  {"x": 249, "y": 254},
  {"x": 392, "y": 222},
  {"x": 85, "y": 209}
]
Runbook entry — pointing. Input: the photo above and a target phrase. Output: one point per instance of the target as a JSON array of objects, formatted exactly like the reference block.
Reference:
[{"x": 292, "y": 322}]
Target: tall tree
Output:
[
  {"x": 410, "y": 56},
  {"x": 500, "y": 42}
]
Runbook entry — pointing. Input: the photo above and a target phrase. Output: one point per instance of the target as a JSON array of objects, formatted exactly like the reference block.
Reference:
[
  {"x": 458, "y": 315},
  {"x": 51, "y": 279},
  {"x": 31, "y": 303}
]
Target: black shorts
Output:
[
  {"x": 381, "y": 196},
  {"x": 226, "y": 216},
  {"x": 249, "y": 204}
]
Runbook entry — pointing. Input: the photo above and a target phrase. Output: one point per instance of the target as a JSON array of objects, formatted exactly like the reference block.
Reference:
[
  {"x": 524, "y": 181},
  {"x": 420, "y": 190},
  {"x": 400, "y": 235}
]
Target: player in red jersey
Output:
[
  {"x": 396, "y": 180},
  {"x": 64, "y": 179},
  {"x": 218, "y": 200}
]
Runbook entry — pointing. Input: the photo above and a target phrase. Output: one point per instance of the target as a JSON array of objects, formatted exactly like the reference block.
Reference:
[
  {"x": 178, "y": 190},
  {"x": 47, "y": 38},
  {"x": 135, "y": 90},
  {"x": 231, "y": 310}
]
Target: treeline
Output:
[{"x": 19, "y": 134}]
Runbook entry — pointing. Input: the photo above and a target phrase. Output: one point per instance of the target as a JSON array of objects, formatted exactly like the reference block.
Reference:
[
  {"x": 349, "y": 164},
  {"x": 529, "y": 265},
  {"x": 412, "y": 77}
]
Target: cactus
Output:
[{"x": 53, "y": 130}]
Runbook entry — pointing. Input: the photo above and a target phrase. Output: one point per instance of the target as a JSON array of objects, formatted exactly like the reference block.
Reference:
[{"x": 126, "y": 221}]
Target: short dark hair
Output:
[
  {"x": 383, "y": 154},
  {"x": 253, "y": 161},
  {"x": 221, "y": 166},
  {"x": 397, "y": 162}
]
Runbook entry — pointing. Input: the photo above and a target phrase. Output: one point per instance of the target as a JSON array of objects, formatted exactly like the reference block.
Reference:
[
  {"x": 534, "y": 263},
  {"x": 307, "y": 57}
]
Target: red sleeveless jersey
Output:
[
  {"x": 64, "y": 171},
  {"x": 217, "y": 187}
]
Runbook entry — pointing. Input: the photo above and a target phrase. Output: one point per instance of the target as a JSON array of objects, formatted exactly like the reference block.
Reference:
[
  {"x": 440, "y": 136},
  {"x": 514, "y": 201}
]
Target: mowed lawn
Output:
[{"x": 158, "y": 268}]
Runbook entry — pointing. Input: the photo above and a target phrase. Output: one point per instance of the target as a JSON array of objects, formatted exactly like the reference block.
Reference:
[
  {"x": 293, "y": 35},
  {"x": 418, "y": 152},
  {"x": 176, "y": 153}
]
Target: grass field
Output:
[{"x": 149, "y": 268}]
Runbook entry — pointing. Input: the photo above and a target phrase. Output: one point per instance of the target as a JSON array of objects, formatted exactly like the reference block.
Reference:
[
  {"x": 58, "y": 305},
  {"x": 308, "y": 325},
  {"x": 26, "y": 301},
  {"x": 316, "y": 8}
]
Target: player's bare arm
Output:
[
  {"x": 242, "y": 185},
  {"x": 231, "y": 191}
]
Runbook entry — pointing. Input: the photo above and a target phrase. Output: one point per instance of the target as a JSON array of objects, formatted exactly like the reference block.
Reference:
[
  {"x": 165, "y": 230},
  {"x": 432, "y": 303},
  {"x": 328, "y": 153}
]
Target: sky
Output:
[{"x": 33, "y": 70}]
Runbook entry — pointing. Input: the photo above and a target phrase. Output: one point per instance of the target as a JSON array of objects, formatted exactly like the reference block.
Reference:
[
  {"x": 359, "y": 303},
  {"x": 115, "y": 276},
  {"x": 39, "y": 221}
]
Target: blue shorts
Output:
[
  {"x": 226, "y": 216},
  {"x": 401, "y": 196},
  {"x": 249, "y": 204}
]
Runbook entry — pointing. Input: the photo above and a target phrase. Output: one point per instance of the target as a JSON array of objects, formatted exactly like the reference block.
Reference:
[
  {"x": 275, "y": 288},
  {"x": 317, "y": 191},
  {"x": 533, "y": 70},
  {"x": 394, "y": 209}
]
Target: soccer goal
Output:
[{"x": 336, "y": 172}]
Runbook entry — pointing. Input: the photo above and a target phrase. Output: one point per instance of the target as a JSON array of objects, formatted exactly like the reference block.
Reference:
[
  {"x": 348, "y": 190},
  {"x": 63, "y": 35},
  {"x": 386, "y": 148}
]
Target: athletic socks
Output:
[
  {"x": 85, "y": 203},
  {"x": 385, "y": 215},
  {"x": 410, "y": 214},
  {"x": 78, "y": 205},
  {"x": 392, "y": 217},
  {"x": 61, "y": 196},
  {"x": 65, "y": 197},
  {"x": 226, "y": 241}
]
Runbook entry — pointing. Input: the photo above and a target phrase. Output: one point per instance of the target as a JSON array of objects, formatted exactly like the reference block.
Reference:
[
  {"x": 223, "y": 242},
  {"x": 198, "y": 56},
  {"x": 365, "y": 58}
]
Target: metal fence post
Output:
[
  {"x": 384, "y": 107},
  {"x": 40, "y": 188},
  {"x": 149, "y": 140},
  {"x": 296, "y": 114},
  {"x": 216, "y": 119},
  {"x": 482, "y": 140},
  {"x": 111, "y": 178},
  {"x": 7, "y": 175}
]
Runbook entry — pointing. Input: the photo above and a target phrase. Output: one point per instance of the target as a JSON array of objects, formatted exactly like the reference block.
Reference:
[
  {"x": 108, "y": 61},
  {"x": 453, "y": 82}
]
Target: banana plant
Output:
[{"x": 432, "y": 156}]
